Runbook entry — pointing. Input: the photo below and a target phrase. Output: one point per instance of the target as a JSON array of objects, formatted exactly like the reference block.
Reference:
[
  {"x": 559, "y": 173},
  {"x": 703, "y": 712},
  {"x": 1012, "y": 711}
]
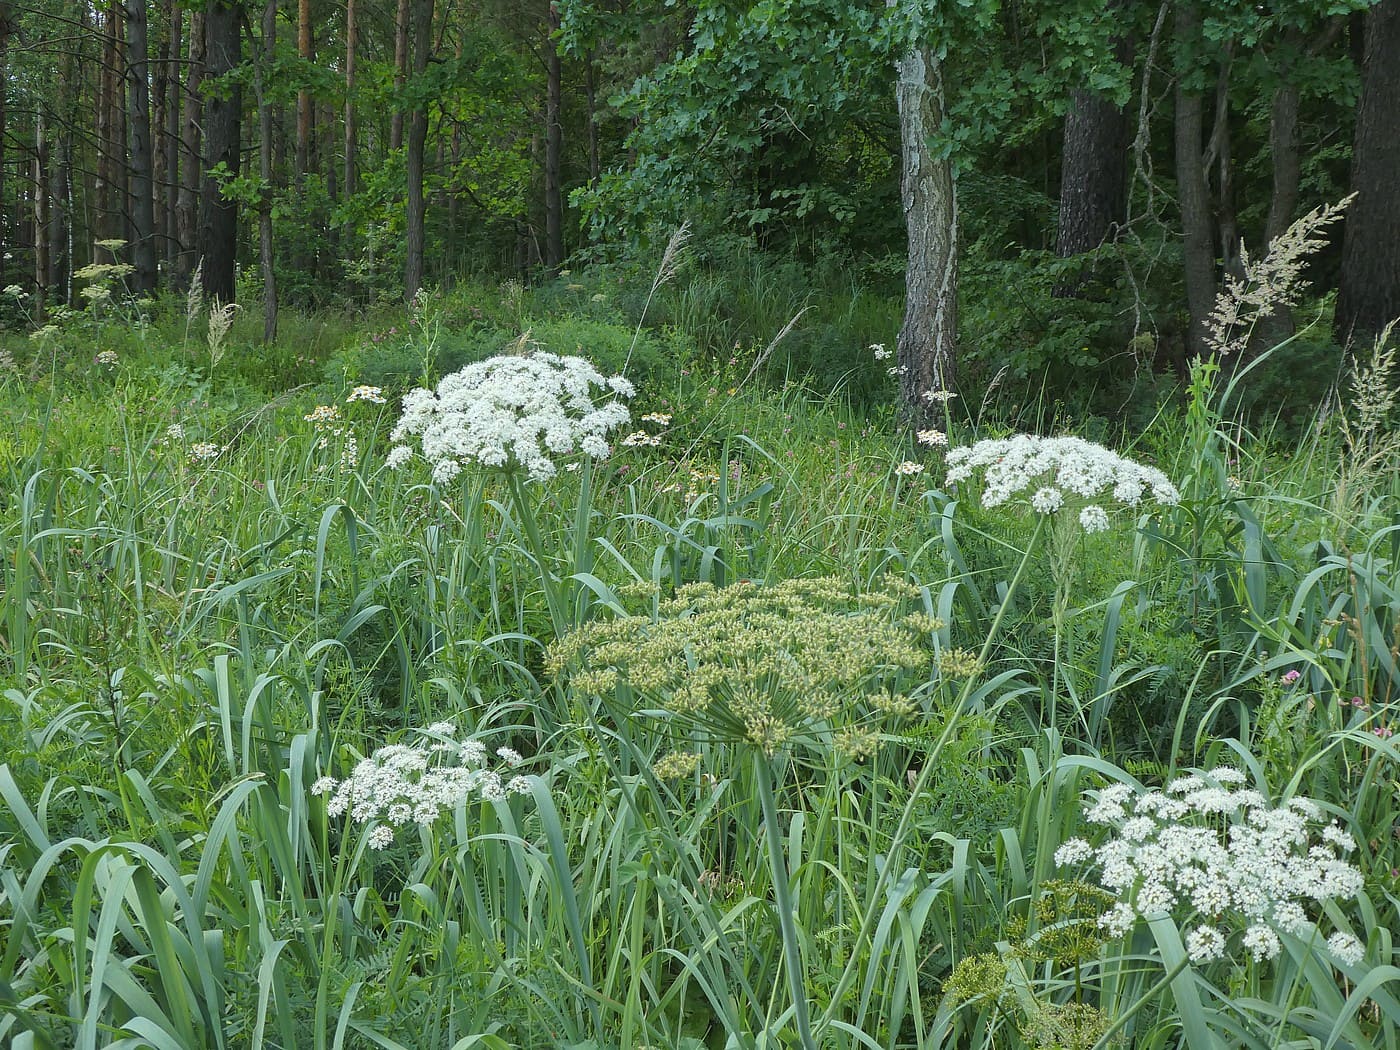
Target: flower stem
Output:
[
  {"x": 906, "y": 818},
  {"x": 548, "y": 580},
  {"x": 782, "y": 898}
]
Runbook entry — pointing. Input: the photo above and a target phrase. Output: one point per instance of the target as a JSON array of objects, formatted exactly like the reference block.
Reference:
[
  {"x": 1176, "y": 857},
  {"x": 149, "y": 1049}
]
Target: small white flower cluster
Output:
[
  {"x": 105, "y": 357},
  {"x": 879, "y": 352},
  {"x": 909, "y": 468},
  {"x": 401, "y": 784},
  {"x": 373, "y": 394},
  {"x": 326, "y": 421},
  {"x": 204, "y": 451},
  {"x": 511, "y": 412},
  {"x": 1056, "y": 468},
  {"x": 932, "y": 438},
  {"x": 1210, "y": 847}
]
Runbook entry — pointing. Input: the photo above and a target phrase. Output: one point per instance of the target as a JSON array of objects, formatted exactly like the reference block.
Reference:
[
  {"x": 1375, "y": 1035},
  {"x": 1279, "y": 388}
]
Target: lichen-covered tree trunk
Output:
[
  {"x": 1370, "y": 286},
  {"x": 927, "y": 338}
]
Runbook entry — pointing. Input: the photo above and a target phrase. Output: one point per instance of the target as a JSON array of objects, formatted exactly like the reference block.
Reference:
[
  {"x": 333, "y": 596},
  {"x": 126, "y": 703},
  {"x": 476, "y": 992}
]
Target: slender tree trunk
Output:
[
  {"x": 171, "y": 130},
  {"x": 6, "y": 29},
  {"x": 349, "y": 177},
  {"x": 927, "y": 338},
  {"x": 1370, "y": 284},
  {"x": 553, "y": 150},
  {"x": 265, "y": 253},
  {"x": 109, "y": 145},
  {"x": 41, "y": 213},
  {"x": 142, "y": 216},
  {"x": 307, "y": 53},
  {"x": 1278, "y": 325},
  {"x": 401, "y": 19},
  {"x": 218, "y": 216},
  {"x": 1221, "y": 151},
  {"x": 1198, "y": 253},
  {"x": 590, "y": 88},
  {"x": 160, "y": 145},
  {"x": 191, "y": 154},
  {"x": 417, "y": 136}
]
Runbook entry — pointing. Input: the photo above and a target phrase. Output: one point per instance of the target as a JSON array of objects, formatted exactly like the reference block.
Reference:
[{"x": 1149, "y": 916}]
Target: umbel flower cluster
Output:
[
  {"x": 798, "y": 661},
  {"x": 1208, "y": 846},
  {"x": 1057, "y": 471},
  {"x": 511, "y": 413},
  {"x": 401, "y": 783}
]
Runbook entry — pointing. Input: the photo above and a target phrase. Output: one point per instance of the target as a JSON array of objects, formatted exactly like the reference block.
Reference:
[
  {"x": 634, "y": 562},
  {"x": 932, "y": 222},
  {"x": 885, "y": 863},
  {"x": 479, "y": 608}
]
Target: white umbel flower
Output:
[
  {"x": 513, "y": 413},
  {"x": 1068, "y": 467},
  {"x": 1208, "y": 848}
]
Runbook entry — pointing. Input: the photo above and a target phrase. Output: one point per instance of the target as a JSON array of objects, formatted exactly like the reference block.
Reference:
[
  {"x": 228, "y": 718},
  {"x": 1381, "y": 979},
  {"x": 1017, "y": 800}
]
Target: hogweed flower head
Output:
[
  {"x": 1211, "y": 850},
  {"x": 513, "y": 413},
  {"x": 764, "y": 666},
  {"x": 1057, "y": 472},
  {"x": 417, "y": 783}
]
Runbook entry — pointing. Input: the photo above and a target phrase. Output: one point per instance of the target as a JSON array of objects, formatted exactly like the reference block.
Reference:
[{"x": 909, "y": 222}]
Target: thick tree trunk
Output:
[
  {"x": 1278, "y": 325},
  {"x": 1198, "y": 255},
  {"x": 553, "y": 150},
  {"x": 349, "y": 177},
  {"x": 142, "y": 215},
  {"x": 417, "y": 136},
  {"x": 265, "y": 246},
  {"x": 218, "y": 216},
  {"x": 191, "y": 155},
  {"x": 1370, "y": 284},
  {"x": 401, "y": 19},
  {"x": 927, "y": 338},
  {"x": 1093, "y": 174}
]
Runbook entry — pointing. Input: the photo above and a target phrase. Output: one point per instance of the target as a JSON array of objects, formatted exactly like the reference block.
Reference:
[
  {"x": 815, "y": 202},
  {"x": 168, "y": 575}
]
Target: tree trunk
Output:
[
  {"x": 400, "y": 74},
  {"x": 927, "y": 338},
  {"x": 171, "y": 174},
  {"x": 349, "y": 177},
  {"x": 1198, "y": 255},
  {"x": 1093, "y": 178},
  {"x": 5, "y": 30},
  {"x": 1370, "y": 284},
  {"x": 218, "y": 216},
  {"x": 160, "y": 145},
  {"x": 41, "y": 214},
  {"x": 1277, "y": 326},
  {"x": 306, "y": 52},
  {"x": 191, "y": 154},
  {"x": 417, "y": 136},
  {"x": 590, "y": 88},
  {"x": 265, "y": 254},
  {"x": 142, "y": 215},
  {"x": 553, "y": 150}
]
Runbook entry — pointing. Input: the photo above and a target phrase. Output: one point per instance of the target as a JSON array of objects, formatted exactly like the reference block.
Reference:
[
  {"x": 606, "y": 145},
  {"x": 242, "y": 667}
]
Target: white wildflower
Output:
[
  {"x": 1093, "y": 518},
  {"x": 1047, "y": 500},
  {"x": 932, "y": 438},
  {"x": 1346, "y": 949},
  {"x": 364, "y": 392},
  {"x": 106, "y": 357},
  {"x": 398, "y": 456},
  {"x": 1069, "y": 466},
  {"x": 879, "y": 352},
  {"x": 909, "y": 468},
  {"x": 401, "y": 784},
  {"x": 1205, "y": 845},
  {"x": 513, "y": 412},
  {"x": 204, "y": 451}
]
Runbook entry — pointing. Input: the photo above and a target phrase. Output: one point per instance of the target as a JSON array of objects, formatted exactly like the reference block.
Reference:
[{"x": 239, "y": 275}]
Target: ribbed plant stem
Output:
[{"x": 782, "y": 899}]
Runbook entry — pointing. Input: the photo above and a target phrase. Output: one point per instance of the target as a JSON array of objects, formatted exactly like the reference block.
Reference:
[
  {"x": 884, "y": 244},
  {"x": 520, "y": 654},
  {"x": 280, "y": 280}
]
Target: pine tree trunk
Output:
[
  {"x": 349, "y": 177},
  {"x": 1198, "y": 255},
  {"x": 927, "y": 338},
  {"x": 218, "y": 216},
  {"x": 307, "y": 53},
  {"x": 1093, "y": 178},
  {"x": 417, "y": 136},
  {"x": 553, "y": 150},
  {"x": 171, "y": 129},
  {"x": 595, "y": 167},
  {"x": 1370, "y": 283},
  {"x": 5, "y": 31},
  {"x": 142, "y": 214},
  {"x": 265, "y": 245},
  {"x": 41, "y": 214},
  {"x": 191, "y": 154}
]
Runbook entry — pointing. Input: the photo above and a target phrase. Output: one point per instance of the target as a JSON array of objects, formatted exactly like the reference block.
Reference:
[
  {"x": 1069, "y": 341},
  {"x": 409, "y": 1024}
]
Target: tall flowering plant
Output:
[
  {"x": 1069, "y": 483},
  {"x": 518, "y": 416}
]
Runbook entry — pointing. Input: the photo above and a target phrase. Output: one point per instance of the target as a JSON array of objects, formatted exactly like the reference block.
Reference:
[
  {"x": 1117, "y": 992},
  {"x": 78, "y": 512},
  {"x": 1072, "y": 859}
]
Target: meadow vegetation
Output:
[{"x": 782, "y": 724}]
